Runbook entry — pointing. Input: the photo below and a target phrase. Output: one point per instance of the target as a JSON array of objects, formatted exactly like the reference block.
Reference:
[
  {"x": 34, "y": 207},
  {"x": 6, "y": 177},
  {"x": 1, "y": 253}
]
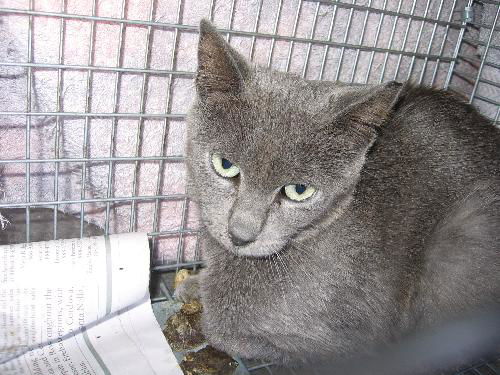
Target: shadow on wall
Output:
[{"x": 42, "y": 226}]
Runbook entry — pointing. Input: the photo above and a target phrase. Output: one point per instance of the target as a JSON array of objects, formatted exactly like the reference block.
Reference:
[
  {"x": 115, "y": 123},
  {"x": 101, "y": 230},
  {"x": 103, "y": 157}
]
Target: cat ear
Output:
[
  {"x": 220, "y": 67},
  {"x": 373, "y": 105}
]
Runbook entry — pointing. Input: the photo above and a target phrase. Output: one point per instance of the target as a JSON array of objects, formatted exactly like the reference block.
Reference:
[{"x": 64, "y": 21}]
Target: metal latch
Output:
[{"x": 468, "y": 14}]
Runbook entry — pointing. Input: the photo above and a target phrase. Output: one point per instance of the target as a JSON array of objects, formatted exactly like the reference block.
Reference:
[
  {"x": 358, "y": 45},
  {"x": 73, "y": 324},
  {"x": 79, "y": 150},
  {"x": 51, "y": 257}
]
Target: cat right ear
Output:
[{"x": 220, "y": 68}]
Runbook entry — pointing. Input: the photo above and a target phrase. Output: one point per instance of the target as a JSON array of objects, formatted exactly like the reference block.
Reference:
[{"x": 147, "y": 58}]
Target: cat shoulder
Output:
[{"x": 431, "y": 106}]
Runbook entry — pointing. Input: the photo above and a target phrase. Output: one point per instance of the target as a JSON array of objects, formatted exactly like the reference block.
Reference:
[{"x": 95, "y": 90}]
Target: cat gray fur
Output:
[{"x": 402, "y": 232}]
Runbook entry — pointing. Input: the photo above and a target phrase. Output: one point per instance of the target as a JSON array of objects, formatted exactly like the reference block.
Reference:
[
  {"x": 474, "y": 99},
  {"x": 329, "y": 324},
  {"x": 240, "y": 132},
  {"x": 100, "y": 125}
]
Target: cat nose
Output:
[
  {"x": 239, "y": 240},
  {"x": 247, "y": 219}
]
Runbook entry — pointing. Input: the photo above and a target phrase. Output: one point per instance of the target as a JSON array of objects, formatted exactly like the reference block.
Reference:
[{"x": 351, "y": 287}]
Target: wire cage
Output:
[{"x": 95, "y": 93}]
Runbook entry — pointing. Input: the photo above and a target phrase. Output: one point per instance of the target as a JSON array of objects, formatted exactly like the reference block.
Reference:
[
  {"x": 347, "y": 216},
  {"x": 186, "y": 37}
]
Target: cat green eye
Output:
[
  {"x": 298, "y": 192},
  {"x": 224, "y": 167}
]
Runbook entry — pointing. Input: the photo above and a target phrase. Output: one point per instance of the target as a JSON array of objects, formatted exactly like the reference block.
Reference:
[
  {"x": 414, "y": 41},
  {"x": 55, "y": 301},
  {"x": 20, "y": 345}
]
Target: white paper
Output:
[{"x": 80, "y": 307}]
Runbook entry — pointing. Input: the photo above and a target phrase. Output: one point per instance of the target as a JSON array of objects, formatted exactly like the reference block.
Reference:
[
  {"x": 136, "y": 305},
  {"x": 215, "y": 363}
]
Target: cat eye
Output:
[
  {"x": 224, "y": 167},
  {"x": 299, "y": 192}
]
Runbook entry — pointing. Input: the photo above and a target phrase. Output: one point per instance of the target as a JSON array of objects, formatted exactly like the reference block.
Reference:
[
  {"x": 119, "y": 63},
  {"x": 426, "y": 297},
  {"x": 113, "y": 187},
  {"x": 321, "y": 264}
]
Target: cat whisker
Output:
[
  {"x": 293, "y": 286},
  {"x": 278, "y": 275},
  {"x": 301, "y": 248},
  {"x": 286, "y": 272},
  {"x": 300, "y": 265}
]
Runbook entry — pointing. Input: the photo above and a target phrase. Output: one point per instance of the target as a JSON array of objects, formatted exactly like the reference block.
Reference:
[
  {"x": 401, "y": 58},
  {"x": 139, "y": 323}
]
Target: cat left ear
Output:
[
  {"x": 220, "y": 67},
  {"x": 375, "y": 104}
]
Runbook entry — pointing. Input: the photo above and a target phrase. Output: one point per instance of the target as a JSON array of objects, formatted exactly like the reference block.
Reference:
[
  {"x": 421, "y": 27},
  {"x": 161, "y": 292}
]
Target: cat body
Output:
[{"x": 401, "y": 232}]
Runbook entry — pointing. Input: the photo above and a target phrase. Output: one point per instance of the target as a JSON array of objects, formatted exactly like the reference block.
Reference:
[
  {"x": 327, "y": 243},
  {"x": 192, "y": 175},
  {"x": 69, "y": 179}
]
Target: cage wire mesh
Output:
[{"x": 95, "y": 93}]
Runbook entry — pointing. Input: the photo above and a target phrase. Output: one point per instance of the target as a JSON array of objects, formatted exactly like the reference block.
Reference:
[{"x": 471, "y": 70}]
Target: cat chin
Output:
[{"x": 258, "y": 249}]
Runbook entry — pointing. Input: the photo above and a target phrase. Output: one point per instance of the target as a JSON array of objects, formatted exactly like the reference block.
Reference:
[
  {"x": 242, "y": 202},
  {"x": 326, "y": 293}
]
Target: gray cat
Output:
[{"x": 336, "y": 218}]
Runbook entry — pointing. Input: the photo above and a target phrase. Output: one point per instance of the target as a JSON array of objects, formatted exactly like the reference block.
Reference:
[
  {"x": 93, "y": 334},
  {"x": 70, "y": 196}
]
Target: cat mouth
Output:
[{"x": 258, "y": 249}]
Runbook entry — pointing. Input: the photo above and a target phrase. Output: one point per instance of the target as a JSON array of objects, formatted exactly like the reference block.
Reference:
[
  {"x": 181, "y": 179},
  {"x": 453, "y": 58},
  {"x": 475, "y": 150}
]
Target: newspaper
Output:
[{"x": 80, "y": 307}]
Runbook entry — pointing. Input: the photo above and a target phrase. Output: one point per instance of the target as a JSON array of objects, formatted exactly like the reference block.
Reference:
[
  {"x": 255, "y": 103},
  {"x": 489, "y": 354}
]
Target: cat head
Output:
[{"x": 271, "y": 155}]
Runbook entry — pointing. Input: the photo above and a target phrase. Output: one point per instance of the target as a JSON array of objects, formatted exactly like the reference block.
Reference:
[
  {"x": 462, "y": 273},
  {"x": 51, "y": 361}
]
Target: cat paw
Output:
[{"x": 188, "y": 289}]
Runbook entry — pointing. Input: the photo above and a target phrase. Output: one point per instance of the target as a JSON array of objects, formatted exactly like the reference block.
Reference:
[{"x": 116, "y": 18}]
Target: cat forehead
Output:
[
  {"x": 298, "y": 93},
  {"x": 271, "y": 98},
  {"x": 277, "y": 114},
  {"x": 286, "y": 90},
  {"x": 271, "y": 105}
]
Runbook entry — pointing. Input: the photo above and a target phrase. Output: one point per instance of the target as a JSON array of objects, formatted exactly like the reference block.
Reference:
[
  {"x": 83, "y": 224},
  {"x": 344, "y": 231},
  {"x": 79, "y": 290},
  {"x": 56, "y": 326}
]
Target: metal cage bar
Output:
[
  {"x": 309, "y": 46},
  {"x": 325, "y": 52},
  {"x": 87, "y": 119},
  {"x": 361, "y": 39},
  {"x": 429, "y": 45},
  {"x": 377, "y": 35},
  {"x": 164, "y": 134},
  {"x": 193, "y": 28},
  {"x": 485, "y": 55},
  {"x": 58, "y": 120},
  {"x": 419, "y": 38},
  {"x": 344, "y": 42},
  {"x": 28, "y": 121},
  {"x": 457, "y": 48},
  {"x": 255, "y": 29},
  {"x": 441, "y": 48},
  {"x": 114, "y": 120},
  {"x": 294, "y": 32},
  {"x": 142, "y": 108},
  {"x": 405, "y": 39}
]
